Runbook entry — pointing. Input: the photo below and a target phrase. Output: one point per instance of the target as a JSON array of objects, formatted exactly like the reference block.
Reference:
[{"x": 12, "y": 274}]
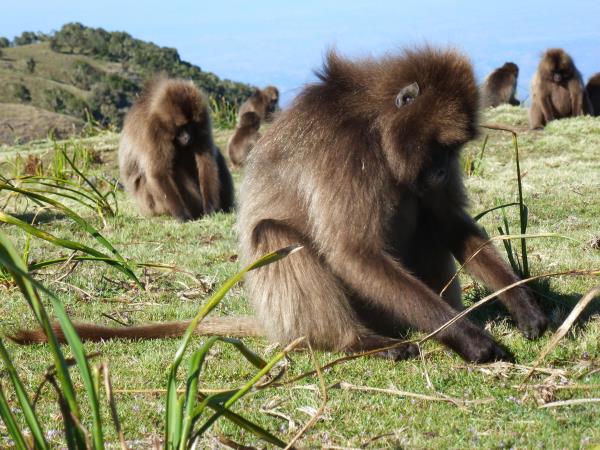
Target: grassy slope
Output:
[
  {"x": 561, "y": 185},
  {"x": 52, "y": 70}
]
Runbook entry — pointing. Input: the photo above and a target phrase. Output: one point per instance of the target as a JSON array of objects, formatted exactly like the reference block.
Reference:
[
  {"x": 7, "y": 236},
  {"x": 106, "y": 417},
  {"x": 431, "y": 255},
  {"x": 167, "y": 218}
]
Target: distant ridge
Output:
[{"x": 79, "y": 69}]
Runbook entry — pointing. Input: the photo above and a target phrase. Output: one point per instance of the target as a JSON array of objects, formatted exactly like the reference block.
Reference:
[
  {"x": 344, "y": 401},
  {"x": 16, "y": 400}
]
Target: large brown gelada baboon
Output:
[
  {"x": 500, "y": 86},
  {"x": 593, "y": 91},
  {"x": 244, "y": 138},
  {"x": 263, "y": 102},
  {"x": 363, "y": 171},
  {"x": 556, "y": 90},
  {"x": 168, "y": 160}
]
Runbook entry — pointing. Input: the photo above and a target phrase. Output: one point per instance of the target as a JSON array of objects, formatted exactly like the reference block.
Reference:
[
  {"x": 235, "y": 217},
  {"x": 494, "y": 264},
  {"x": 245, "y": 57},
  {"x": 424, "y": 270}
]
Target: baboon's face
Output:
[
  {"x": 184, "y": 135},
  {"x": 558, "y": 66},
  {"x": 272, "y": 94},
  {"x": 424, "y": 130},
  {"x": 512, "y": 68}
]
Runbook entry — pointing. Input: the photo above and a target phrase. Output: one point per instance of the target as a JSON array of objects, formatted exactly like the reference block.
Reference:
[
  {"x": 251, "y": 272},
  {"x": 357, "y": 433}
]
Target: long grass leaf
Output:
[
  {"x": 172, "y": 413},
  {"x": 67, "y": 243},
  {"x": 11, "y": 424},
  {"x": 12, "y": 262},
  {"x": 24, "y": 403},
  {"x": 75, "y": 217}
]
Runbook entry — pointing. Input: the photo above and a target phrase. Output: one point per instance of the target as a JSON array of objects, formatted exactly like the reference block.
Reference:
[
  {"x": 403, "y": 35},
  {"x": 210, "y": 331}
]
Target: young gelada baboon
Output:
[
  {"x": 363, "y": 170},
  {"x": 500, "y": 86},
  {"x": 556, "y": 90},
  {"x": 167, "y": 157},
  {"x": 244, "y": 138},
  {"x": 263, "y": 102},
  {"x": 593, "y": 91}
]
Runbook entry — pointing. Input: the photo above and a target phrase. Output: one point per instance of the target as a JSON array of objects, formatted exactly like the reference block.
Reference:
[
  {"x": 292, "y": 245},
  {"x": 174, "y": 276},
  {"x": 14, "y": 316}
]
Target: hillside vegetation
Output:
[
  {"x": 436, "y": 402},
  {"x": 88, "y": 73}
]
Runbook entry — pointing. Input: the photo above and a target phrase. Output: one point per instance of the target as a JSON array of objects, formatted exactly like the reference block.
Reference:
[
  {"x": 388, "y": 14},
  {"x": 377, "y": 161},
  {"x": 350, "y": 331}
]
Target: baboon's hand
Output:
[
  {"x": 183, "y": 216},
  {"x": 529, "y": 317},
  {"x": 475, "y": 345}
]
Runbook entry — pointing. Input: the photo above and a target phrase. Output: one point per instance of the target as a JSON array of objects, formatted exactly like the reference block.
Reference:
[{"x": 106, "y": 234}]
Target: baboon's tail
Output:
[{"x": 214, "y": 326}]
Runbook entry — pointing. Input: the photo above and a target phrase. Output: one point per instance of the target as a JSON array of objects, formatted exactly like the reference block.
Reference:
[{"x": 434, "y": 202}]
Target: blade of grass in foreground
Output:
[
  {"x": 175, "y": 405},
  {"x": 11, "y": 260},
  {"x": 69, "y": 212},
  {"x": 11, "y": 424},
  {"x": 24, "y": 403},
  {"x": 119, "y": 264}
]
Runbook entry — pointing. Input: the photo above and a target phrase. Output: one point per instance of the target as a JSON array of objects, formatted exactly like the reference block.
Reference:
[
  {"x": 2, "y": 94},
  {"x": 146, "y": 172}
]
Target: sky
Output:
[{"x": 282, "y": 42}]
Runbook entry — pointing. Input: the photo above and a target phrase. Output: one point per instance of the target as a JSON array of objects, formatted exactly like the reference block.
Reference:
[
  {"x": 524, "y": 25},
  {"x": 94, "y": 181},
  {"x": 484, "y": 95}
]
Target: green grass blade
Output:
[
  {"x": 247, "y": 425},
  {"x": 11, "y": 424},
  {"x": 101, "y": 198},
  {"x": 66, "y": 243},
  {"x": 196, "y": 363},
  {"x": 239, "y": 393},
  {"x": 24, "y": 403},
  {"x": 73, "y": 215},
  {"x": 12, "y": 262},
  {"x": 483, "y": 213},
  {"x": 213, "y": 301},
  {"x": 251, "y": 356}
]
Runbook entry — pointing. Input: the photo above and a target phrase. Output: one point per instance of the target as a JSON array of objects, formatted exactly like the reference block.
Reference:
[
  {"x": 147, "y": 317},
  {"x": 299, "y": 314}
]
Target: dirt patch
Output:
[{"x": 24, "y": 123}]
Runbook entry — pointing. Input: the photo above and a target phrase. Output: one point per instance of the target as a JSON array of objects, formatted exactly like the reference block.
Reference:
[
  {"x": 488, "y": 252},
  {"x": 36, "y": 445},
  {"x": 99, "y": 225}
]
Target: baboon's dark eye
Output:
[{"x": 407, "y": 95}]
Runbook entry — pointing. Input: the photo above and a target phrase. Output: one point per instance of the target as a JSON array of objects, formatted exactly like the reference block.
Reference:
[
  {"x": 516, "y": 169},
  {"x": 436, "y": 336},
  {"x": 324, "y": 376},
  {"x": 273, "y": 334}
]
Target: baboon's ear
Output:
[{"x": 407, "y": 95}]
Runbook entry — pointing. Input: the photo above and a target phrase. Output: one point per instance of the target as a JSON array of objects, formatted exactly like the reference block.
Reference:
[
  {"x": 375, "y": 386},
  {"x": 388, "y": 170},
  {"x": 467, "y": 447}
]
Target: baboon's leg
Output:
[
  {"x": 208, "y": 175},
  {"x": 299, "y": 296},
  {"x": 489, "y": 267},
  {"x": 226, "y": 188},
  {"x": 536, "y": 118},
  {"x": 165, "y": 191}
]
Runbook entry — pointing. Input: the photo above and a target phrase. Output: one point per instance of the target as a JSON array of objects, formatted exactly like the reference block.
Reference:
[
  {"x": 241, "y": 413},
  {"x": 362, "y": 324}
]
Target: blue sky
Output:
[{"x": 278, "y": 42}]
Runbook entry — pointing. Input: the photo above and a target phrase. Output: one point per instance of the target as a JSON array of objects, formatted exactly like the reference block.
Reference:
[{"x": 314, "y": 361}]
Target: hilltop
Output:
[{"x": 78, "y": 71}]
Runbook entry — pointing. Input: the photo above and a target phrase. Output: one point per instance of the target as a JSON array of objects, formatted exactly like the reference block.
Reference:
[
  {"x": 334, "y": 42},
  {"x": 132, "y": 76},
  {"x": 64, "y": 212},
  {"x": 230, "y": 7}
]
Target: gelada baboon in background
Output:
[
  {"x": 593, "y": 91},
  {"x": 500, "y": 86},
  {"x": 244, "y": 138},
  {"x": 167, "y": 157},
  {"x": 556, "y": 90},
  {"x": 263, "y": 102},
  {"x": 364, "y": 171}
]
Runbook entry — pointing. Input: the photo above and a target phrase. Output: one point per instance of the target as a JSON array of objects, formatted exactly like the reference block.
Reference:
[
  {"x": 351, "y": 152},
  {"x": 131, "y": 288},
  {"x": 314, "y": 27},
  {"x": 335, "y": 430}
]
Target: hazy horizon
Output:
[{"x": 273, "y": 43}]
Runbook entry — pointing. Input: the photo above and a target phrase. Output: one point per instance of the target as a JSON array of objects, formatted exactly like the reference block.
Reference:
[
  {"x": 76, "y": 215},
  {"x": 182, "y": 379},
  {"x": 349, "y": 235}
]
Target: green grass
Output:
[{"x": 561, "y": 186}]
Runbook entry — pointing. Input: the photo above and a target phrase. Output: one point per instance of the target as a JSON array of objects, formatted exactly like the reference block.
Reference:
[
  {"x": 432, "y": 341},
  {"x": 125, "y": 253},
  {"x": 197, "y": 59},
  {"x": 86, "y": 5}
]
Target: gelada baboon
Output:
[
  {"x": 500, "y": 86},
  {"x": 263, "y": 102},
  {"x": 363, "y": 170},
  {"x": 556, "y": 90},
  {"x": 593, "y": 91},
  {"x": 244, "y": 138},
  {"x": 167, "y": 157}
]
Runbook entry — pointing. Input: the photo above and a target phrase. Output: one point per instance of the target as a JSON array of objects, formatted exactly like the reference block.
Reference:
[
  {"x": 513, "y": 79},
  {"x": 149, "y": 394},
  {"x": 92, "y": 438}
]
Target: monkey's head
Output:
[
  {"x": 421, "y": 107},
  {"x": 179, "y": 112},
  {"x": 250, "y": 120},
  {"x": 511, "y": 68},
  {"x": 271, "y": 93},
  {"x": 557, "y": 66}
]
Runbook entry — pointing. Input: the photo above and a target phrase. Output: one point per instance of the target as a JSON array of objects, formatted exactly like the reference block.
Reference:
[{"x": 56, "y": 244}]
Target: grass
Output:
[{"x": 493, "y": 405}]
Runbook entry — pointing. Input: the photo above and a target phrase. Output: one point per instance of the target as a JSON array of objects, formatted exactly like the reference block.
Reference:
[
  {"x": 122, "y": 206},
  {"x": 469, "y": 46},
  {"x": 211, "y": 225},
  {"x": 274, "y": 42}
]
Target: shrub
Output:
[{"x": 21, "y": 93}]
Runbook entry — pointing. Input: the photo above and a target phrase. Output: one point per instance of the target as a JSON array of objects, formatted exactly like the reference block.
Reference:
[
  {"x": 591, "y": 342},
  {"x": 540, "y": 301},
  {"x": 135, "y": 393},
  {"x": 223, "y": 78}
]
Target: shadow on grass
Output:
[
  {"x": 40, "y": 218},
  {"x": 555, "y": 305}
]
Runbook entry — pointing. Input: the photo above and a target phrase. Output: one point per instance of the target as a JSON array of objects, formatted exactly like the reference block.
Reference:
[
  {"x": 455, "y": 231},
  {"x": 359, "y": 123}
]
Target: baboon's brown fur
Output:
[
  {"x": 167, "y": 157},
  {"x": 263, "y": 102},
  {"x": 556, "y": 90},
  {"x": 593, "y": 91},
  {"x": 244, "y": 138},
  {"x": 500, "y": 86},
  {"x": 363, "y": 170}
]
